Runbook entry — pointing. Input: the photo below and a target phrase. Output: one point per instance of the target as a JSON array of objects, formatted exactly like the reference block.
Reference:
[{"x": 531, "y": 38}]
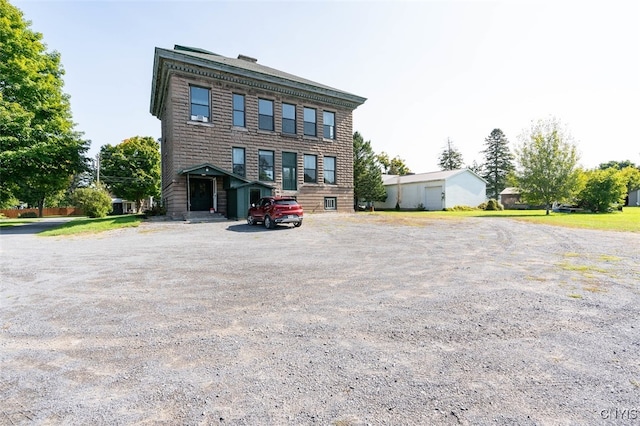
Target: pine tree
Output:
[
  {"x": 450, "y": 158},
  {"x": 498, "y": 163}
]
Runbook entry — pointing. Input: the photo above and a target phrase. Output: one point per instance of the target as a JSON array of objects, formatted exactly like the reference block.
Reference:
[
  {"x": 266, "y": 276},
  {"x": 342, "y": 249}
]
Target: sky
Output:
[{"x": 431, "y": 71}]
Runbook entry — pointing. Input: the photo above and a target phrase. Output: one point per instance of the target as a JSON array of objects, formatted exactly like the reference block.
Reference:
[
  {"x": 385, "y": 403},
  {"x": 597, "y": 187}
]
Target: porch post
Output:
[{"x": 188, "y": 194}]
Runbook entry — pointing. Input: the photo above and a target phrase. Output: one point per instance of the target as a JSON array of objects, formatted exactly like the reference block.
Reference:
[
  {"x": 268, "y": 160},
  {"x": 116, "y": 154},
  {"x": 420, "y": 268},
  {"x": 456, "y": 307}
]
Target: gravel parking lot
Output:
[{"x": 349, "y": 320}]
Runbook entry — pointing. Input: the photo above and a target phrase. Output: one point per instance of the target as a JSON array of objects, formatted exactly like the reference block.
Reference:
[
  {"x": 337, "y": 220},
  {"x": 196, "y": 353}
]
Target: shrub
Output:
[
  {"x": 420, "y": 207},
  {"x": 156, "y": 210},
  {"x": 27, "y": 215},
  {"x": 460, "y": 209},
  {"x": 95, "y": 202},
  {"x": 494, "y": 205}
]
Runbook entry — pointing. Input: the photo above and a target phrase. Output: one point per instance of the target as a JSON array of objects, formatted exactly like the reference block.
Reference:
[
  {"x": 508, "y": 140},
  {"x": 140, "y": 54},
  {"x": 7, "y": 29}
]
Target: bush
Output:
[
  {"x": 494, "y": 205},
  {"x": 460, "y": 209},
  {"x": 156, "y": 210},
  {"x": 95, "y": 202},
  {"x": 27, "y": 215},
  {"x": 420, "y": 207}
]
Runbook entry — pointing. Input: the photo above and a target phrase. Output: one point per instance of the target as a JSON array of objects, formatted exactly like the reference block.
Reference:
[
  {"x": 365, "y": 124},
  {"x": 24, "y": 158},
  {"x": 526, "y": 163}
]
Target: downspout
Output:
[{"x": 188, "y": 195}]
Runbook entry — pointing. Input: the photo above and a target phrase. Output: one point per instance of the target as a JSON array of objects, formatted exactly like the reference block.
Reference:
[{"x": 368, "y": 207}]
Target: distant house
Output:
[
  {"x": 510, "y": 197},
  {"x": 234, "y": 130},
  {"x": 434, "y": 191}
]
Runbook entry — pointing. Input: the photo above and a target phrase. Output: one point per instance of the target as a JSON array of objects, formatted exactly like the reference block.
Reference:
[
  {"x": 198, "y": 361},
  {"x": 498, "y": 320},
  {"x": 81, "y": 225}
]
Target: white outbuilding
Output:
[{"x": 434, "y": 191}]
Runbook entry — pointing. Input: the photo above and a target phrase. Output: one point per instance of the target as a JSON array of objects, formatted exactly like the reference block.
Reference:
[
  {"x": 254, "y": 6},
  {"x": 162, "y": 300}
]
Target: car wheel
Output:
[
  {"x": 268, "y": 223},
  {"x": 297, "y": 224},
  {"x": 251, "y": 220}
]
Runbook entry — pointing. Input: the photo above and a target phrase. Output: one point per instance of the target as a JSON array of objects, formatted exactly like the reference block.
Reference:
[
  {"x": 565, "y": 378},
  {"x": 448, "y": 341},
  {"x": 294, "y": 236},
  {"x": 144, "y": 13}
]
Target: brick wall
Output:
[{"x": 186, "y": 143}]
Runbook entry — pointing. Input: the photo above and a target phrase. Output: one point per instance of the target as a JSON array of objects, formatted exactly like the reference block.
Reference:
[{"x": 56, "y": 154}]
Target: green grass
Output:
[
  {"x": 93, "y": 226},
  {"x": 626, "y": 221}
]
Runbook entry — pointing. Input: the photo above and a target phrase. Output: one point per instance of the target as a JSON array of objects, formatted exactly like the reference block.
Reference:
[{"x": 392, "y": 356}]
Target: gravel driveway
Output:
[{"x": 348, "y": 320}]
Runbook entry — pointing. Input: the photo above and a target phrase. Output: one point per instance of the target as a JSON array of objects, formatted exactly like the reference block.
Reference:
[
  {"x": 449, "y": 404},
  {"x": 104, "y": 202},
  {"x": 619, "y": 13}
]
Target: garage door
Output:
[{"x": 433, "y": 198}]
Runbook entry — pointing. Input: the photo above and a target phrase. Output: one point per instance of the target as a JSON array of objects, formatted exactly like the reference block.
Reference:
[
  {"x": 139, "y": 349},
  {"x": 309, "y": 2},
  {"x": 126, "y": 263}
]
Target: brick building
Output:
[{"x": 234, "y": 130}]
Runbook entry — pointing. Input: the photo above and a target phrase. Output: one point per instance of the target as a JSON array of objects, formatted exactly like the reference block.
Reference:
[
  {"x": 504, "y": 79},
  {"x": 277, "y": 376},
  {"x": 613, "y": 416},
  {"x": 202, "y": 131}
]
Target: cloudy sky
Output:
[{"x": 430, "y": 70}]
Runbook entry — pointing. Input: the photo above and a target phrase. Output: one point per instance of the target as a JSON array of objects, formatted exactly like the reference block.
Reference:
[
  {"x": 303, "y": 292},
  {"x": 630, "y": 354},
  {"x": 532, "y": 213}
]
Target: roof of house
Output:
[
  {"x": 510, "y": 191},
  {"x": 426, "y": 177},
  {"x": 242, "y": 70}
]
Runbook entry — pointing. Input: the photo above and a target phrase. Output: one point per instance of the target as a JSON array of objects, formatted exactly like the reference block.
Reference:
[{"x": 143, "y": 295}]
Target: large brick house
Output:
[{"x": 234, "y": 130}]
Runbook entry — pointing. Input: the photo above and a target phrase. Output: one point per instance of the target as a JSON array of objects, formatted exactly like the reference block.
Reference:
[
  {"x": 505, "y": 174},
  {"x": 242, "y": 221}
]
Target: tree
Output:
[
  {"x": 131, "y": 169},
  {"x": 619, "y": 165},
  {"x": 450, "y": 158},
  {"x": 547, "y": 159},
  {"x": 367, "y": 179},
  {"x": 95, "y": 202},
  {"x": 394, "y": 166},
  {"x": 39, "y": 149},
  {"x": 602, "y": 189},
  {"x": 498, "y": 163}
]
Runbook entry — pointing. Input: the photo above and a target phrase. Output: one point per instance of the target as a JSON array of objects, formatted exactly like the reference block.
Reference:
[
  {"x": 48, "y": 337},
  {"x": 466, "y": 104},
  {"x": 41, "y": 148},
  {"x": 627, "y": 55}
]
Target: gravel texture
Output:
[{"x": 351, "y": 319}]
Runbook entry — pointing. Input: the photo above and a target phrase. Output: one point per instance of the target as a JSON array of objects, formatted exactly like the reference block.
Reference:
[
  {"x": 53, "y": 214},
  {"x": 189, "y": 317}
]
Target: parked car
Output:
[{"x": 273, "y": 210}]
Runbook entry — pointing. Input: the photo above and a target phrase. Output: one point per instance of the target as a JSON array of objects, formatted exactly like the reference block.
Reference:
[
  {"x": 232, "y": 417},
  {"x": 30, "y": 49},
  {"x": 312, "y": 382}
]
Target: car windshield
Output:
[{"x": 286, "y": 202}]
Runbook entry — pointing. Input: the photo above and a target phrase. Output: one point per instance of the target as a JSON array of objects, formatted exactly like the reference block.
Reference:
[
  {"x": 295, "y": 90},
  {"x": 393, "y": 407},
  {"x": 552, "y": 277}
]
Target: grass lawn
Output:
[
  {"x": 92, "y": 226},
  {"x": 626, "y": 221},
  {"x": 5, "y": 223}
]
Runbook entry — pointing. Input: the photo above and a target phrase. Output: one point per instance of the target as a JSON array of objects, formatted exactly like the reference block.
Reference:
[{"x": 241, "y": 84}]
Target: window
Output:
[
  {"x": 309, "y": 122},
  {"x": 199, "y": 103},
  {"x": 330, "y": 170},
  {"x": 329, "y": 124},
  {"x": 238, "y": 110},
  {"x": 330, "y": 203},
  {"x": 289, "y": 170},
  {"x": 238, "y": 161},
  {"x": 310, "y": 169},
  {"x": 289, "y": 119},
  {"x": 265, "y": 165},
  {"x": 265, "y": 114}
]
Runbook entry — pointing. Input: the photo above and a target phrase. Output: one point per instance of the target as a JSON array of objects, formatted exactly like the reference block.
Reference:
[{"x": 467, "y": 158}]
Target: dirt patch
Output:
[{"x": 347, "y": 320}]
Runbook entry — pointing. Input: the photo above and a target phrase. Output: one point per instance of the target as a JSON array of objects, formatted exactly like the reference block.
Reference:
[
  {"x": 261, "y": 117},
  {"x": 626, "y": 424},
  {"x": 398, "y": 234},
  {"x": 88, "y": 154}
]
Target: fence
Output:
[{"x": 50, "y": 211}]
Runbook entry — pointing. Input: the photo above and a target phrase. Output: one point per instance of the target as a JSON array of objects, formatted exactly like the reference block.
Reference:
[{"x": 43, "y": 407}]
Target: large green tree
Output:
[
  {"x": 546, "y": 163},
  {"x": 131, "y": 169},
  {"x": 616, "y": 164},
  {"x": 367, "y": 178},
  {"x": 392, "y": 166},
  {"x": 39, "y": 149},
  {"x": 450, "y": 157},
  {"x": 498, "y": 163},
  {"x": 602, "y": 189}
]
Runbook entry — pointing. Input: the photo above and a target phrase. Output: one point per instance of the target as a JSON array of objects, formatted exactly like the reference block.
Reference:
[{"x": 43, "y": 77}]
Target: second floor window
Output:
[
  {"x": 310, "y": 122},
  {"x": 329, "y": 124},
  {"x": 238, "y": 161},
  {"x": 330, "y": 170},
  {"x": 265, "y": 165},
  {"x": 265, "y": 114},
  {"x": 289, "y": 119},
  {"x": 289, "y": 170},
  {"x": 238, "y": 110},
  {"x": 310, "y": 169},
  {"x": 200, "y": 108}
]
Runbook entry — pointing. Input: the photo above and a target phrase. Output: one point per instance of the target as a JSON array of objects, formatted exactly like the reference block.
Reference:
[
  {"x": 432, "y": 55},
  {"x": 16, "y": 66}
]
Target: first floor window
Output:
[
  {"x": 309, "y": 122},
  {"x": 238, "y": 110},
  {"x": 265, "y": 114},
  {"x": 289, "y": 171},
  {"x": 199, "y": 98},
  {"x": 238, "y": 161},
  {"x": 330, "y": 170},
  {"x": 330, "y": 203},
  {"x": 329, "y": 124},
  {"x": 265, "y": 165},
  {"x": 310, "y": 167},
  {"x": 289, "y": 119}
]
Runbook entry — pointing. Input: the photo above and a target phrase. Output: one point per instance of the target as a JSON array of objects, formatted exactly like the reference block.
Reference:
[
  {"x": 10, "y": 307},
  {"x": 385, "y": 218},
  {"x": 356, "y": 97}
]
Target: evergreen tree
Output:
[
  {"x": 39, "y": 149},
  {"x": 367, "y": 179},
  {"x": 498, "y": 163},
  {"x": 450, "y": 158}
]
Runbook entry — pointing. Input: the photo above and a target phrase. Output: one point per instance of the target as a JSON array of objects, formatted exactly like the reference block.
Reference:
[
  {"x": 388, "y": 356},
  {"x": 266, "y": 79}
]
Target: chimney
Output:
[{"x": 247, "y": 58}]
